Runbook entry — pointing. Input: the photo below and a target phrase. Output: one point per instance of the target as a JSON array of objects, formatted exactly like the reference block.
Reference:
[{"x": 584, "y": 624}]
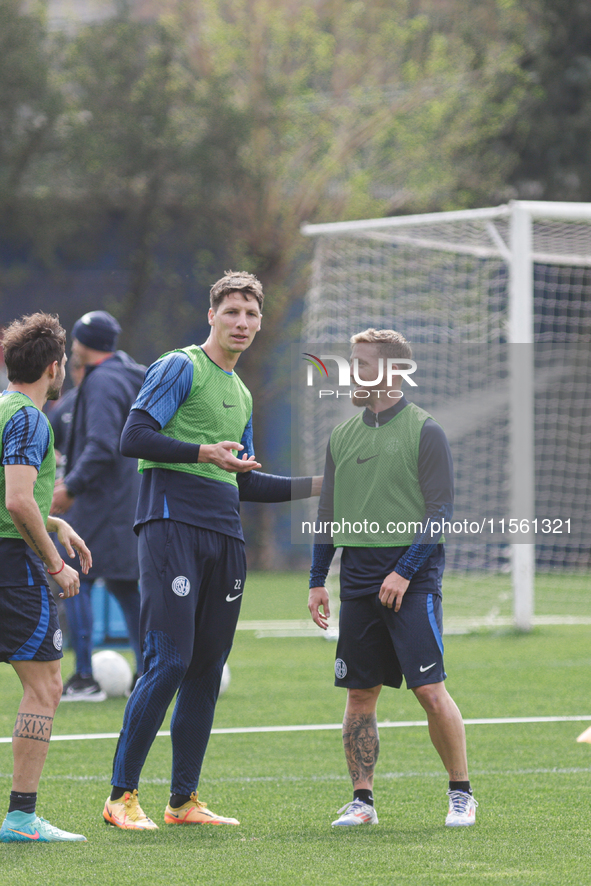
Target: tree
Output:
[
  {"x": 29, "y": 107},
  {"x": 142, "y": 141},
  {"x": 551, "y": 136}
]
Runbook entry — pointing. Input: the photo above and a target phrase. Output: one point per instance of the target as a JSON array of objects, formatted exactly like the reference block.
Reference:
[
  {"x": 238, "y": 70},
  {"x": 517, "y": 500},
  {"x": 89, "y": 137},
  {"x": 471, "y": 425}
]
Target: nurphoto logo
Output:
[{"x": 388, "y": 369}]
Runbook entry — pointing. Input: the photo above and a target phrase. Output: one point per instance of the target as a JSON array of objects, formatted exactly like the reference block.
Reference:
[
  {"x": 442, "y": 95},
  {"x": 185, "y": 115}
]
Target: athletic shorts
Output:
[
  {"x": 379, "y": 646},
  {"x": 29, "y": 625},
  {"x": 191, "y": 586}
]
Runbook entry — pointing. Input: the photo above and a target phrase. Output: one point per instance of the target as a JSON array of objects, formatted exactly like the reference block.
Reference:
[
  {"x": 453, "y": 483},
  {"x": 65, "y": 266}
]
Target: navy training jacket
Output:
[{"x": 104, "y": 482}]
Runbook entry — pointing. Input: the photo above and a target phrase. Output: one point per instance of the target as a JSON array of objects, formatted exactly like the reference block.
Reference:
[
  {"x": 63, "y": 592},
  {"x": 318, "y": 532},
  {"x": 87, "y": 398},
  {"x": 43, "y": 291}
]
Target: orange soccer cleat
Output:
[
  {"x": 127, "y": 813},
  {"x": 194, "y": 812}
]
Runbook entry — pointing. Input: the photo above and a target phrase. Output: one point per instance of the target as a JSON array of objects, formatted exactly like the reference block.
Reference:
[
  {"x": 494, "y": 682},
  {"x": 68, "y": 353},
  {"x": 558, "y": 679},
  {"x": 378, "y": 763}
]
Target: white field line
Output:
[
  {"x": 302, "y": 627},
  {"x": 326, "y": 777},
  {"x": 327, "y": 727}
]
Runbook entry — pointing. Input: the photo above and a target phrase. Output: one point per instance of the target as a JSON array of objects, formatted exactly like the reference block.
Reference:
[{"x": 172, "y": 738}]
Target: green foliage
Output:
[
  {"x": 552, "y": 134},
  {"x": 358, "y": 109},
  {"x": 27, "y": 104},
  {"x": 30, "y": 104},
  {"x": 144, "y": 142},
  {"x": 257, "y": 116}
]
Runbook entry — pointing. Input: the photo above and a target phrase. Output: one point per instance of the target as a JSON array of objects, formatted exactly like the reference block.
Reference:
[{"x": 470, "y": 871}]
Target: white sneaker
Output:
[
  {"x": 356, "y": 812},
  {"x": 462, "y": 809}
]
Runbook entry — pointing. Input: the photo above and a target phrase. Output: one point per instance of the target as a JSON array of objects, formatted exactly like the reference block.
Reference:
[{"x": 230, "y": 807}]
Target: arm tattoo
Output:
[
  {"x": 362, "y": 746},
  {"x": 33, "y": 541},
  {"x": 34, "y": 726}
]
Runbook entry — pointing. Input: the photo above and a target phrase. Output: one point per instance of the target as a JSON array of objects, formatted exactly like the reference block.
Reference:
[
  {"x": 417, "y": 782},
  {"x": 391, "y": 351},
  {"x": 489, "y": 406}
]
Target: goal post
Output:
[
  {"x": 515, "y": 278},
  {"x": 521, "y": 421}
]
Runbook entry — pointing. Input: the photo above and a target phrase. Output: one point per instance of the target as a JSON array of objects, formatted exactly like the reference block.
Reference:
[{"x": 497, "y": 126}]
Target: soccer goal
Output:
[{"x": 496, "y": 303}]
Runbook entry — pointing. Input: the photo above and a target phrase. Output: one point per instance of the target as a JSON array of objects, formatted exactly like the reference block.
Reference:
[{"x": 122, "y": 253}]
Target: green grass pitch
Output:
[{"x": 533, "y": 781}]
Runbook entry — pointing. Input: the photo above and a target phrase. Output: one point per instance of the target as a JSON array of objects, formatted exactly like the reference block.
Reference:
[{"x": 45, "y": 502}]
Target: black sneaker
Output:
[
  {"x": 79, "y": 688},
  {"x": 73, "y": 679}
]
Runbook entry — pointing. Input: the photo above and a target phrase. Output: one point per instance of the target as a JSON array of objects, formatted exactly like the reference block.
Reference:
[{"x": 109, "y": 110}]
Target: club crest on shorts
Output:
[
  {"x": 58, "y": 640},
  {"x": 181, "y": 586},
  {"x": 340, "y": 668}
]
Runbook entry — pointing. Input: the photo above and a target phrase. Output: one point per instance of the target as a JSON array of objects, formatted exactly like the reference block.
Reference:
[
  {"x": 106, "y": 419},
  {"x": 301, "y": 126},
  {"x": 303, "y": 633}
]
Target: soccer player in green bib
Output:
[
  {"x": 191, "y": 428},
  {"x": 388, "y": 476},
  {"x": 30, "y": 635}
]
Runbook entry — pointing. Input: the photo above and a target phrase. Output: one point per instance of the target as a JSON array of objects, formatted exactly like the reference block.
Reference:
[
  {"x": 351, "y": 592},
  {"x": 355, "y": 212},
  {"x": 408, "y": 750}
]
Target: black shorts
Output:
[
  {"x": 379, "y": 646},
  {"x": 191, "y": 585},
  {"x": 29, "y": 625}
]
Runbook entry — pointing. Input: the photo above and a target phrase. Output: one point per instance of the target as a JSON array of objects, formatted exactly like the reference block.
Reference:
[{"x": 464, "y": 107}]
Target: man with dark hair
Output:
[
  {"x": 192, "y": 417},
  {"x": 34, "y": 350},
  {"x": 99, "y": 489},
  {"x": 241, "y": 282},
  {"x": 390, "y": 471}
]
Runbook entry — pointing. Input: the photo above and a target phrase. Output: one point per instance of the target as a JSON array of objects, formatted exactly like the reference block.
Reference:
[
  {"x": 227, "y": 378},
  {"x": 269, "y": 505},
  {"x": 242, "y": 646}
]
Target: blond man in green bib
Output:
[{"x": 388, "y": 476}]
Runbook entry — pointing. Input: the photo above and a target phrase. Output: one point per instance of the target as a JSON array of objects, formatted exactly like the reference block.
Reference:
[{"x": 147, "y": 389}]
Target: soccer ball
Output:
[
  {"x": 225, "y": 679},
  {"x": 112, "y": 673}
]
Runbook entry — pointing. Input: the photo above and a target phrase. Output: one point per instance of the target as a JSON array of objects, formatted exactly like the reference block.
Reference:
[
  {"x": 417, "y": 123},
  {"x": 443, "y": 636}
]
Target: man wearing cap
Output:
[{"x": 99, "y": 491}]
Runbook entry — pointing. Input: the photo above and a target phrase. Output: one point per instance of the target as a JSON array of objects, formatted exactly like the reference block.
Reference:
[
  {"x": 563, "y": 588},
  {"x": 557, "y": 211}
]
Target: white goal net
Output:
[{"x": 496, "y": 304}]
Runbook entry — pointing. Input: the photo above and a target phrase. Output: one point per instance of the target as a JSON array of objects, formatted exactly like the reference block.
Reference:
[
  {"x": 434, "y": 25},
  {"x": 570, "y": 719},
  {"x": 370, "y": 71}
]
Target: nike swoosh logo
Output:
[
  {"x": 35, "y": 836},
  {"x": 428, "y": 668},
  {"x": 230, "y": 599},
  {"x": 228, "y": 405},
  {"x": 361, "y": 461}
]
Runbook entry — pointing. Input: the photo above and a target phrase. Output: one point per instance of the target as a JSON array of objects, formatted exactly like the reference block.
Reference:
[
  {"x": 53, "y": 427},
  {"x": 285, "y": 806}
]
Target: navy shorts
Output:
[
  {"x": 29, "y": 625},
  {"x": 191, "y": 586},
  {"x": 379, "y": 646}
]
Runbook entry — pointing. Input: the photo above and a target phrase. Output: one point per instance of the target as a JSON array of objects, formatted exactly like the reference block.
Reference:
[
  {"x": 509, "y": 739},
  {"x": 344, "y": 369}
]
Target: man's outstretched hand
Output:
[{"x": 221, "y": 454}]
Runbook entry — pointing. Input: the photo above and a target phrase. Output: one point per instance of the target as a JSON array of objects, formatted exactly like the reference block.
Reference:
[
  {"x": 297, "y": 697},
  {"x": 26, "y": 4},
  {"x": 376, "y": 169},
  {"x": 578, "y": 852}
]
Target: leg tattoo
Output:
[
  {"x": 362, "y": 746},
  {"x": 34, "y": 726}
]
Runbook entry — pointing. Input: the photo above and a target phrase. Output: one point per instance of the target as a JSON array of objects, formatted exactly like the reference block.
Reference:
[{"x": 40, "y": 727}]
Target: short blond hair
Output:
[
  {"x": 240, "y": 281},
  {"x": 391, "y": 343}
]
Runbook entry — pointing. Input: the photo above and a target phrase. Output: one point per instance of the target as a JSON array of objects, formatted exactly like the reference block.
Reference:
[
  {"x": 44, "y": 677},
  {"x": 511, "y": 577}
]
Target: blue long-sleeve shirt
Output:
[{"x": 189, "y": 498}]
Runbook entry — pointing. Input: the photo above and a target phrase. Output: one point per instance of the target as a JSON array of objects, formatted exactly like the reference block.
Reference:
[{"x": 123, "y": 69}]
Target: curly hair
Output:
[{"x": 31, "y": 344}]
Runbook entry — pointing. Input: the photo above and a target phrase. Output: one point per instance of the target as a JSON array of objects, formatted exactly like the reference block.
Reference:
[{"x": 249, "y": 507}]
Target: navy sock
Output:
[
  {"x": 21, "y": 802},
  {"x": 460, "y": 786},
  {"x": 364, "y": 795},
  {"x": 177, "y": 800},
  {"x": 118, "y": 792}
]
